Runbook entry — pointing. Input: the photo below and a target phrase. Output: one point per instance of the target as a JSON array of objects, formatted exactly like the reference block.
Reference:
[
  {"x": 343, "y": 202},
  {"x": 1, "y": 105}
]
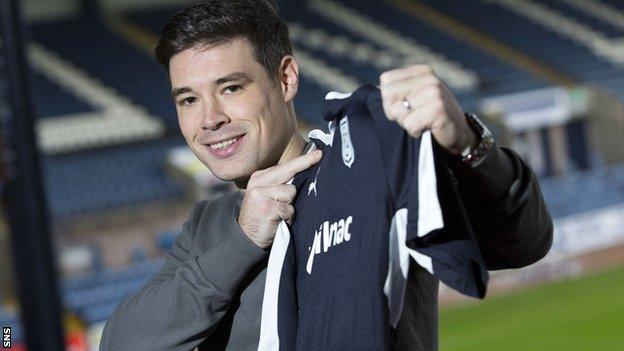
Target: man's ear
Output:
[{"x": 289, "y": 77}]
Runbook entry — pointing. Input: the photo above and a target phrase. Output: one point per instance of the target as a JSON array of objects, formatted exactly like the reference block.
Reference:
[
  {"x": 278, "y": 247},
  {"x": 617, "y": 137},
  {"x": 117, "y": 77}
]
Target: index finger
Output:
[{"x": 280, "y": 174}]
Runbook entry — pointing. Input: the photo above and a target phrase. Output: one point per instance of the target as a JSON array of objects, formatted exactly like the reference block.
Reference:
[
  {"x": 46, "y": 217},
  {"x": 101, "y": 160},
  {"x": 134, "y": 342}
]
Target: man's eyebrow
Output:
[
  {"x": 234, "y": 76},
  {"x": 177, "y": 91}
]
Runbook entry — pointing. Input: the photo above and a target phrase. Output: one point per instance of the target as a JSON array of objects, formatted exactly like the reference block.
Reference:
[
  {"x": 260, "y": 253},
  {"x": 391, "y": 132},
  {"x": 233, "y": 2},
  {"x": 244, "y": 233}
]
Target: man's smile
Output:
[{"x": 225, "y": 148}]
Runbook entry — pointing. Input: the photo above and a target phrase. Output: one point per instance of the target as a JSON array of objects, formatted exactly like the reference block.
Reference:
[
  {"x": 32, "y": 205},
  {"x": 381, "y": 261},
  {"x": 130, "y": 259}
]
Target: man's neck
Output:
[{"x": 294, "y": 149}]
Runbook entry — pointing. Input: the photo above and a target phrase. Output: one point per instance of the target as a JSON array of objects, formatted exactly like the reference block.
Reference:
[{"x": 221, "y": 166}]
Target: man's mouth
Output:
[
  {"x": 225, "y": 143},
  {"x": 225, "y": 148}
]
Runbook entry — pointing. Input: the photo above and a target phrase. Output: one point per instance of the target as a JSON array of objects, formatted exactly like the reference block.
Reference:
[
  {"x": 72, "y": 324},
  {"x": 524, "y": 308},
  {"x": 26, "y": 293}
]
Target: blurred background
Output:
[{"x": 117, "y": 180}]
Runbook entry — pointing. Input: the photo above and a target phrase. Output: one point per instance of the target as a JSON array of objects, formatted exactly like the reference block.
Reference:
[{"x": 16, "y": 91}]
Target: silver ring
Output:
[{"x": 406, "y": 104}]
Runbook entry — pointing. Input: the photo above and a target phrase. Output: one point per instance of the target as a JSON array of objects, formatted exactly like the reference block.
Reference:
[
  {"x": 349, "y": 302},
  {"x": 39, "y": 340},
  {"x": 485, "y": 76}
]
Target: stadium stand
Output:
[
  {"x": 116, "y": 121},
  {"x": 607, "y": 11},
  {"x": 50, "y": 100},
  {"x": 497, "y": 76},
  {"x": 583, "y": 191},
  {"x": 559, "y": 49},
  {"x": 96, "y": 49},
  {"x": 580, "y": 15},
  {"x": 108, "y": 178},
  {"x": 94, "y": 296}
]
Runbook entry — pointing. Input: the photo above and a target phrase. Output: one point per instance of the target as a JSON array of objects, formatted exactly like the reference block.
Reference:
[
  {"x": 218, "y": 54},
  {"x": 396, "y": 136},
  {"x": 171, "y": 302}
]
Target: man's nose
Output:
[{"x": 213, "y": 117}]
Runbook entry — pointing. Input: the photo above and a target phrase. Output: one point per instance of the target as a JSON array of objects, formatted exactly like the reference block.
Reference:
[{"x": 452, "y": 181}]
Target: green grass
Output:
[{"x": 578, "y": 314}]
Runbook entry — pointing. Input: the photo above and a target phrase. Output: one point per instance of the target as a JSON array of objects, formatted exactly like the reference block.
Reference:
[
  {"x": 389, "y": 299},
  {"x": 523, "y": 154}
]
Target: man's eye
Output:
[
  {"x": 232, "y": 89},
  {"x": 187, "y": 101}
]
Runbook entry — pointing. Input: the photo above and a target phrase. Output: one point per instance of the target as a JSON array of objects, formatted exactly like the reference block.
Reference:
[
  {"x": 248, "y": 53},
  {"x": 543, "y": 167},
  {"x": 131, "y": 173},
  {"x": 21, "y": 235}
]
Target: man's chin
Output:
[
  {"x": 239, "y": 177},
  {"x": 237, "y": 171}
]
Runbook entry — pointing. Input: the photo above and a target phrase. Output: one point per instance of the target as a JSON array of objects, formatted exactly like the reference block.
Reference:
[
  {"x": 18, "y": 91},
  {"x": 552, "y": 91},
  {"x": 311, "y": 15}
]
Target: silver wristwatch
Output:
[{"x": 471, "y": 156}]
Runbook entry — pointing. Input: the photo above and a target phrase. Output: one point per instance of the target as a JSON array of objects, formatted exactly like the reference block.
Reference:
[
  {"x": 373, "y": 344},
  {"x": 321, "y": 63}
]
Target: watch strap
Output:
[{"x": 471, "y": 156}]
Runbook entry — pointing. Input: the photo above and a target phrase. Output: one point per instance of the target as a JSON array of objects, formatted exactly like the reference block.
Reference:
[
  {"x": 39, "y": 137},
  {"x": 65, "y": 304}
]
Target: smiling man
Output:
[{"x": 233, "y": 80}]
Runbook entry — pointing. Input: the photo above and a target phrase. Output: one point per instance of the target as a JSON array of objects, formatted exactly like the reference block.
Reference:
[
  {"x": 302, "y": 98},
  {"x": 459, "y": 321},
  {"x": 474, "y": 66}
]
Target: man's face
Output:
[{"x": 232, "y": 115}]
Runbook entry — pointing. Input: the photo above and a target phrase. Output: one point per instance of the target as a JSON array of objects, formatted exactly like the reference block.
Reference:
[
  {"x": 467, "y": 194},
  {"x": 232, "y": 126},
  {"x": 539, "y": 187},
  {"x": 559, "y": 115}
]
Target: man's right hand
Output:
[{"x": 268, "y": 200}]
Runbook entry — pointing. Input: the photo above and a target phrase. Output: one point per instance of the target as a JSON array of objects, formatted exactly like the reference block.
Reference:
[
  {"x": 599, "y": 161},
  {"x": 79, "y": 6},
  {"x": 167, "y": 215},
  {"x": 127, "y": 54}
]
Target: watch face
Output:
[{"x": 489, "y": 141}]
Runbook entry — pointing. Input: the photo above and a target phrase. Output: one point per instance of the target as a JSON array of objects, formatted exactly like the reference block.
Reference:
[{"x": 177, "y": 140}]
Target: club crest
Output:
[{"x": 348, "y": 153}]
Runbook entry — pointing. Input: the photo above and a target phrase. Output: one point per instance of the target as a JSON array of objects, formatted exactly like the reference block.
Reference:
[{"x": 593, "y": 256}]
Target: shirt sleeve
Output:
[
  {"x": 505, "y": 206},
  {"x": 182, "y": 304}
]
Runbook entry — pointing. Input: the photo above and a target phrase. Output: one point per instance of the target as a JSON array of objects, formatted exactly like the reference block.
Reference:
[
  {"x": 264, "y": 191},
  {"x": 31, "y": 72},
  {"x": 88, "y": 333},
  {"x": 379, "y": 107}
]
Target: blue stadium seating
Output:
[
  {"x": 582, "y": 17},
  {"x": 498, "y": 77},
  {"x": 111, "y": 291},
  {"x": 559, "y": 52},
  {"x": 617, "y": 4},
  {"x": 94, "y": 296},
  {"x": 111, "y": 276},
  {"x": 584, "y": 190},
  {"x": 108, "y": 178},
  {"x": 51, "y": 100},
  {"x": 112, "y": 59}
]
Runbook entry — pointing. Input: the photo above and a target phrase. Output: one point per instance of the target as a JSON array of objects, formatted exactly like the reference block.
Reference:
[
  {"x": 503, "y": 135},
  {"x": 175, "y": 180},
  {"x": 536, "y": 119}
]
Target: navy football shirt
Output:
[{"x": 336, "y": 278}]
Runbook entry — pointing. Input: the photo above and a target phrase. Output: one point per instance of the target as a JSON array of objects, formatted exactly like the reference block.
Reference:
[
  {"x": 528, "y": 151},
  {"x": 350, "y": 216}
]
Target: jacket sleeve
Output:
[
  {"x": 504, "y": 202},
  {"x": 182, "y": 304}
]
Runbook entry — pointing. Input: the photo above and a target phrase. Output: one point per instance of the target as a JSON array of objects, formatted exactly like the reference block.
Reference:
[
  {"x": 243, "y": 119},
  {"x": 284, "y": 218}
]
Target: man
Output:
[{"x": 233, "y": 80}]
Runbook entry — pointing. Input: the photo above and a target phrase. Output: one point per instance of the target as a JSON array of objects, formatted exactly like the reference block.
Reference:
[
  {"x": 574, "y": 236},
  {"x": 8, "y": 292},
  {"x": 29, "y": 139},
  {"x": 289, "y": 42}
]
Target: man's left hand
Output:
[{"x": 416, "y": 99}]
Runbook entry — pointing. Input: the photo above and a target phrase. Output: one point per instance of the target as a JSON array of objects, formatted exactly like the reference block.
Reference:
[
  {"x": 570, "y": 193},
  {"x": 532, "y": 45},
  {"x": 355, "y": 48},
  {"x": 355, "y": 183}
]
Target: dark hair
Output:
[{"x": 215, "y": 22}]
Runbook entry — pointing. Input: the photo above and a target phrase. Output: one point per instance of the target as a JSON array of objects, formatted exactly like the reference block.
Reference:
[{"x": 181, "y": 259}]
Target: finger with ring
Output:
[{"x": 406, "y": 104}]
